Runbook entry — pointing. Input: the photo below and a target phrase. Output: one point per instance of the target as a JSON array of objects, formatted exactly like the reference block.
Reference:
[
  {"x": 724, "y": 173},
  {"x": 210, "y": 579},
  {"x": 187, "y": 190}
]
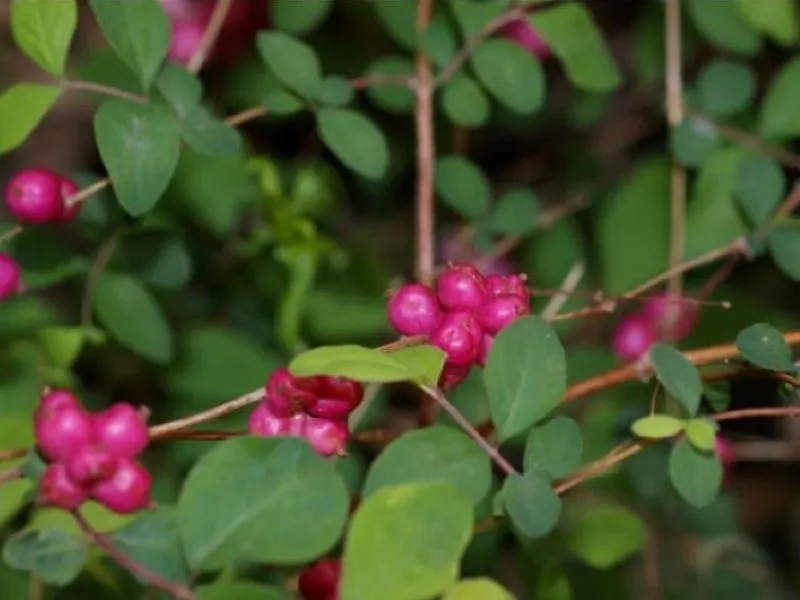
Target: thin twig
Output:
[
  {"x": 251, "y": 114},
  {"x": 210, "y": 35},
  {"x": 10, "y": 475},
  {"x": 98, "y": 267},
  {"x": 106, "y": 90},
  {"x": 571, "y": 281},
  {"x": 12, "y": 453},
  {"x": 166, "y": 429},
  {"x": 11, "y": 233},
  {"x": 89, "y": 190}
]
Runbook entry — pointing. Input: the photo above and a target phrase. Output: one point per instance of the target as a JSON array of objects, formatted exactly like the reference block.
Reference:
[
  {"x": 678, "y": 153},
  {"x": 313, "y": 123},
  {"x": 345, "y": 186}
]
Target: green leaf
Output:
[
  {"x": 694, "y": 141},
  {"x": 405, "y": 542},
  {"x": 510, "y": 74},
  {"x": 465, "y": 103},
  {"x": 722, "y": 24},
  {"x": 553, "y": 584},
  {"x": 54, "y": 556},
  {"x": 515, "y": 213},
  {"x": 293, "y": 62},
  {"x": 657, "y": 427},
  {"x": 396, "y": 99},
  {"x": 43, "y": 30},
  {"x": 398, "y": 21},
  {"x": 182, "y": 90},
  {"x": 531, "y": 504},
  {"x": 158, "y": 258},
  {"x": 697, "y": 476},
  {"x": 463, "y": 186},
  {"x": 22, "y": 107},
  {"x": 282, "y": 103},
  {"x": 776, "y": 19},
  {"x": 436, "y": 453},
  {"x": 241, "y": 590},
  {"x": 140, "y": 147},
  {"x": 480, "y": 588},
  {"x": 765, "y": 347},
  {"x": 152, "y": 541},
  {"x": 574, "y": 39},
  {"x": 760, "y": 187},
  {"x": 525, "y": 375},
  {"x": 209, "y": 135},
  {"x": 554, "y": 448},
  {"x": 779, "y": 115},
  {"x": 299, "y": 16},
  {"x": 678, "y": 376},
  {"x": 133, "y": 317},
  {"x": 355, "y": 362},
  {"x": 425, "y": 361},
  {"x": 440, "y": 41},
  {"x": 604, "y": 536},
  {"x": 355, "y": 140},
  {"x": 784, "y": 247},
  {"x": 336, "y": 91},
  {"x": 268, "y": 488},
  {"x": 138, "y": 31},
  {"x": 725, "y": 88},
  {"x": 701, "y": 434},
  {"x": 62, "y": 344}
]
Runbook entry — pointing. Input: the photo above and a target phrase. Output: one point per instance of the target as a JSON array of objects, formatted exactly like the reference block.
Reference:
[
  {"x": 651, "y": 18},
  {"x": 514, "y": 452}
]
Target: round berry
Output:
[
  {"x": 451, "y": 376},
  {"x": 34, "y": 196},
  {"x": 121, "y": 430},
  {"x": 486, "y": 346},
  {"x": 503, "y": 285},
  {"x": 57, "y": 489},
  {"x": 414, "y": 310},
  {"x": 68, "y": 188},
  {"x": 633, "y": 337},
  {"x": 459, "y": 335},
  {"x": 670, "y": 314},
  {"x": 187, "y": 35},
  {"x": 335, "y": 409},
  {"x": 90, "y": 464},
  {"x": 327, "y": 437},
  {"x": 338, "y": 398},
  {"x": 10, "y": 276},
  {"x": 320, "y": 581},
  {"x": 127, "y": 490},
  {"x": 287, "y": 394},
  {"x": 501, "y": 311},
  {"x": 62, "y": 431},
  {"x": 461, "y": 286},
  {"x": 264, "y": 422},
  {"x": 56, "y": 399}
]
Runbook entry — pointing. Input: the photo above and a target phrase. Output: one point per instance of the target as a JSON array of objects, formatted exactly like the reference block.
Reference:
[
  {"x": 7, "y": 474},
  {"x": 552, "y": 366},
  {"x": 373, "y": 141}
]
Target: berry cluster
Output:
[
  {"x": 637, "y": 332},
  {"x": 461, "y": 316},
  {"x": 320, "y": 581},
  {"x": 313, "y": 408},
  {"x": 92, "y": 455}
]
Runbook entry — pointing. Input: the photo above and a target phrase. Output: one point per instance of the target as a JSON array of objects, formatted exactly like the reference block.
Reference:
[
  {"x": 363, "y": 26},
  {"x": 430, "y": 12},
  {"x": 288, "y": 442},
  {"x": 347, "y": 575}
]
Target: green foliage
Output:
[
  {"x": 701, "y": 434},
  {"x": 478, "y": 589},
  {"x": 300, "y": 17},
  {"x": 510, "y": 74},
  {"x": 764, "y": 346},
  {"x": 294, "y": 63},
  {"x": 44, "y": 31},
  {"x": 56, "y": 557},
  {"x": 604, "y": 536},
  {"x": 22, "y": 108},
  {"x": 778, "y": 116},
  {"x": 696, "y": 475},
  {"x": 725, "y": 88},
  {"x": 355, "y": 140},
  {"x": 531, "y": 504},
  {"x": 554, "y": 448},
  {"x": 656, "y": 427},
  {"x": 463, "y": 186}
]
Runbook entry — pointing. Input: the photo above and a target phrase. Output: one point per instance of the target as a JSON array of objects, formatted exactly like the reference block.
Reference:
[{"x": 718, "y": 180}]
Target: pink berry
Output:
[
  {"x": 34, "y": 196},
  {"x": 667, "y": 313},
  {"x": 338, "y": 398},
  {"x": 68, "y": 188},
  {"x": 187, "y": 35},
  {"x": 460, "y": 336},
  {"x": 414, "y": 310},
  {"x": 501, "y": 311},
  {"x": 633, "y": 337},
  {"x": 451, "y": 376},
  {"x": 335, "y": 409},
  {"x": 503, "y": 285},
  {"x": 461, "y": 286},
  {"x": 287, "y": 394},
  {"x": 121, "y": 430},
  {"x": 58, "y": 398},
  {"x": 127, "y": 490},
  {"x": 57, "y": 489},
  {"x": 62, "y": 431},
  {"x": 320, "y": 581},
  {"x": 525, "y": 35},
  {"x": 10, "y": 276},
  {"x": 327, "y": 437},
  {"x": 90, "y": 464},
  {"x": 486, "y": 346},
  {"x": 263, "y": 422}
]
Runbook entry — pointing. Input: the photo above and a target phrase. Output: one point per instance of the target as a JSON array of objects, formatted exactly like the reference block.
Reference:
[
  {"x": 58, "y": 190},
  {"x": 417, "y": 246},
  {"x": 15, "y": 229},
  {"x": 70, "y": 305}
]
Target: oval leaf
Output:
[
  {"x": 657, "y": 427},
  {"x": 465, "y": 103},
  {"x": 779, "y": 112},
  {"x": 678, "y": 376},
  {"x": 531, "y": 504},
  {"x": 701, "y": 434},
  {"x": 463, "y": 186},
  {"x": 293, "y": 62},
  {"x": 765, "y": 347},
  {"x": 511, "y": 75},
  {"x": 355, "y": 140},
  {"x": 22, "y": 108},
  {"x": 554, "y": 448},
  {"x": 299, "y": 16},
  {"x": 355, "y": 362},
  {"x": 43, "y": 30},
  {"x": 697, "y": 476},
  {"x": 604, "y": 536},
  {"x": 54, "y": 556},
  {"x": 478, "y": 589}
]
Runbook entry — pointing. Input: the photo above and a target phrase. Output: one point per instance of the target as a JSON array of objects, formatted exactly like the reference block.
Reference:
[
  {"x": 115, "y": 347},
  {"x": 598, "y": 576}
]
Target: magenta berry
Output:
[
  {"x": 57, "y": 489},
  {"x": 320, "y": 581},
  {"x": 327, "y": 437},
  {"x": 121, "y": 430},
  {"x": 501, "y": 311},
  {"x": 62, "y": 431},
  {"x": 68, "y": 188},
  {"x": 34, "y": 196},
  {"x": 338, "y": 397},
  {"x": 187, "y": 35},
  {"x": 264, "y": 422},
  {"x": 414, "y": 310},
  {"x": 503, "y": 285},
  {"x": 460, "y": 336},
  {"x": 90, "y": 464},
  {"x": 451, "y": 376},
  {"x": 633, "y": 337},
  {"x": 461, "y": 286},
  {"x": 335, "y": 409},
  {"x": 667, "y": 313},
  {"x": 127, "y": 490},
  {"x": 10, "y": 276},
  {"x": 56, "y": 399}
]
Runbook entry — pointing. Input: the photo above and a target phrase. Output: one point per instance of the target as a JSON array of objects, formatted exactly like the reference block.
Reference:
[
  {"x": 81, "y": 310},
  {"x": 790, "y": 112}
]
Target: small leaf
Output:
[
  {"x": 463, "y": 186},
  {"x": 765, "y": 347},
  {"x": 554, "y": 448},
  {"x": 355, "y": 140},
  {"x": 678, "y": 376},
  {"x": 182, "y": 90},
  {"x": 697, "y": 476},
  {"x": 425, "y": 361},
  {"x": 604, "y": 536},
  {"x": 131, "y": 314},
  {"x": 336, "y": 92},
  {"x": 209, "y": 135},
  {"x": 62, "y": 344},
  {"x": 241, "y": 590},
  {"x": 22, "y": 107},
  {"x": 355, "y": 362},
  {"x": 701, "y": 434},
  {"x": 657, "y": 427},
  {"x": 158, "y": 258},
  {"x": 138, "y": 31},
  {"x": 515, "y": 213},
  {"x": 776, "y": 19},
  {"x": 43, "y": 30},
  {"x": 140, "y": 147},
  {"x": 282, "y": 102},
  {"x": 760, "y": 187},
  {"x": 722, "y": 24},
  {"x": 779, "y": 115},
  {"x": 510, "y": 74},
  {"x": 531, "y": 504},
  {"x": 397, "y": 99},
  {"x": 694, "y": 141},
  {"x": 299, "y": 16},
  {"x": 725, "y": 88},
  {"x": 436, "y": 453},
  {"x": 465, "y": 103},
  {"x": 525, "y": 375},
  {"x": 293, "y": 62},
  {"x": 784, "y": 247},
  {"x": 406, "y": 540},
  {"x": 481, "y": 588},
  {"x": 54, "y": 556}
]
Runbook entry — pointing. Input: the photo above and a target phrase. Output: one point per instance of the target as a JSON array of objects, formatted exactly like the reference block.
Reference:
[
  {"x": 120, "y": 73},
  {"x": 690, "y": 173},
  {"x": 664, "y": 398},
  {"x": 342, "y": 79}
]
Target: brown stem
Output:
[
  {"x": 10, "y": 475},
  {"x": 203, "y": 436},
  {"x": 153, "y": 579},
  {"x": 366, "y": 81},
  {"x": 198, "y": 59},
  {"x": 89, "y": 190},
  {"x": 106, "y": 90},
  {"x": 251, "y": 114},
  {"x": 11, "y": 233},
  {"x": 407, "y": 342},
  {"x": 166, "y": 429},
  {"x": 12, "y": 453}
]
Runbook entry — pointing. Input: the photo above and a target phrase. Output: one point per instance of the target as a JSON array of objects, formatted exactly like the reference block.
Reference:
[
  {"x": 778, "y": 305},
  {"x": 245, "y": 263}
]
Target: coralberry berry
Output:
[
  {"x": 187, "y": 35},
  {"x": 451, "y": 376},
  {"x": 121, "y": 430},
  {"x": 461, "y": 286},
  {"x": 414, "y": 310},
  {"x": 287, "y": 394},
  {"x": 90, "y": 464},
  {"x": 320, "y": 581},
  {"x": 670, "y": 314},
  {"x": 633, "y": 337},
  {"x": 326, "y": 437},
  {"x": 61, "y": 430},
  {"x": 127, "y": 490},
  {"x": 57, "y": 489},
  {"x": 10, "y": 278},
  {"x": 501, "y": 311},
  {"x": 459, "y": 335},
  {"x": 337, "y": 398},
  {"x": 68, "y": 188},
  {"x": 34, "y": 196},
  {"x": 265, "y": 422},
  {"x": 503, "y": 285}
]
